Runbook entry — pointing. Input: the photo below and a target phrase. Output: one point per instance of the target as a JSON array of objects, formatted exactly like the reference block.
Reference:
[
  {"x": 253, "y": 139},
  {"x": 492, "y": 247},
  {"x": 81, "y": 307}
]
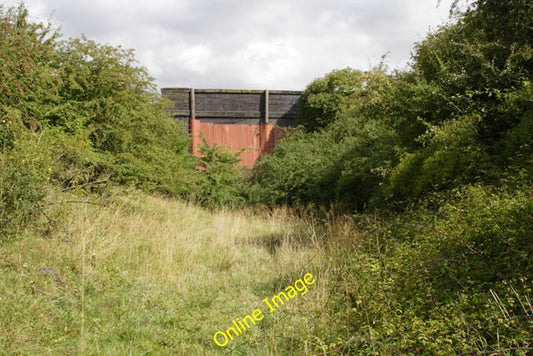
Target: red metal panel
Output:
[{"x": 257, "y": 139}]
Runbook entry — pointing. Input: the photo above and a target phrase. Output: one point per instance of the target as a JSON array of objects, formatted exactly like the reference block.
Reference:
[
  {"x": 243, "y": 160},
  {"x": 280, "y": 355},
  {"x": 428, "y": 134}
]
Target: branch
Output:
[
  {"x": 73, "y": 202},
  {"x": 441, "y": 233},
  {"x": 86, "y": 184},
  {"x": 351, "y": 341},
  {"x": 496, "y": 352}
]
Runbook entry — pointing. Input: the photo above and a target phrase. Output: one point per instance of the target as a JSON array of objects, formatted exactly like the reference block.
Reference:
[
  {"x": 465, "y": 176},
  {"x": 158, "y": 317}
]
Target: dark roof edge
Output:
[{"x": 229, "y": 91}]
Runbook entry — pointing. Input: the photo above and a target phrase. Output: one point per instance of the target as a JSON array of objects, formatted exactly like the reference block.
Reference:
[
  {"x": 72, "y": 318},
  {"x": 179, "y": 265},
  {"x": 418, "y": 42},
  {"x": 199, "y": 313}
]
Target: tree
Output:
[
  {"x": 91, "y": 107},
  {"x": 324, "y": 97},
  {"x": 28, "y": 81}
]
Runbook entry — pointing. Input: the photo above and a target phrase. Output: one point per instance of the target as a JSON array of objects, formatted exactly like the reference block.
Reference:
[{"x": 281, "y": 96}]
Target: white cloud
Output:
[
  {"x": 277, "y": 44},
  {"x": 266, "y": 62},
  {"x": 195, "y": 58}
]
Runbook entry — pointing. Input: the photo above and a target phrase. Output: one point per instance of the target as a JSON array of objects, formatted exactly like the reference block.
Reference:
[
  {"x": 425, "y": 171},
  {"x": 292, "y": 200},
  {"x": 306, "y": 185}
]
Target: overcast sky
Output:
[{"x": 249, "y": 44}]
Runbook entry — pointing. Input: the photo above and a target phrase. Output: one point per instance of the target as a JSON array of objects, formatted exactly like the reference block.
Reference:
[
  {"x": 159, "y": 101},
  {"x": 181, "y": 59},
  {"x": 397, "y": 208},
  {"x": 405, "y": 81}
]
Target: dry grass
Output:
[{"x": 154, "y": 275}]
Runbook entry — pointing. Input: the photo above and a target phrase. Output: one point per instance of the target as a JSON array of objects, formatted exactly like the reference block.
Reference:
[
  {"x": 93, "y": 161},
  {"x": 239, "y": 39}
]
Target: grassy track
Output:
[{"x": 149, "y": 275}]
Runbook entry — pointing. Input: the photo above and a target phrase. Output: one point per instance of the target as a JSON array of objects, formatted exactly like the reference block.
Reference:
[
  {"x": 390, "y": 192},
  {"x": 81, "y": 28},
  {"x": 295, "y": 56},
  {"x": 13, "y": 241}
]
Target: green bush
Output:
[
  {"x": 451, "y": 157},
  {"x": 74, "y": 113},
  {"x": 451, "y": 282},
  {"x": 101, "y": 107},
  {"x": 24, "y": 174},
  {"x": 219, "y": 181},
  {"x": 344, "y": 164},
  {"x": 462, "y": 115},
  {"x": 324, "y": 97},
  {"x": 113, "y": 100},
  {"x": 28, "y": 80},
  {"x": 298, "y": 172},
  {"x": 493, "y": 233}
]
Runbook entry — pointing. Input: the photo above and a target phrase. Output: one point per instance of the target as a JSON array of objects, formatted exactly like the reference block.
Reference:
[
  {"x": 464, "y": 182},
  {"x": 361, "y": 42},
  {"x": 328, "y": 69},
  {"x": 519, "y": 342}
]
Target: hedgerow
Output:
[
  {"x": 433, "y": 165},
  {"x": 89, "y": 113}
]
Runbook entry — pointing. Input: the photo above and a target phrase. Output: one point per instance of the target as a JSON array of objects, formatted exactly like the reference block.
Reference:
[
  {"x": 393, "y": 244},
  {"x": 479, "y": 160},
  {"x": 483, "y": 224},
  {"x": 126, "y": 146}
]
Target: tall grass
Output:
[{"x": 150, "y": 275}]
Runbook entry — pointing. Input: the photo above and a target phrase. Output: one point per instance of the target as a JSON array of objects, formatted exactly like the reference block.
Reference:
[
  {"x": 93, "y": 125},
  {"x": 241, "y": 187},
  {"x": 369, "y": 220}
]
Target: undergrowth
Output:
[{"x": 138, "y": 274}]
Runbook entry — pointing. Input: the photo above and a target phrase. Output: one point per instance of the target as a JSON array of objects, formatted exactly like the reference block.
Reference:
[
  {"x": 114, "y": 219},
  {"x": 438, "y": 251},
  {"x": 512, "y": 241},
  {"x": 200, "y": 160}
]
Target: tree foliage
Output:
[
  {"x": 461, "y": 115},
  {"x": 436, "y": 162},
  {"x": 29, "y": 82},
  {"x": 220, "y": 180},
  {"x": 88, "y": 111},
  {"x": 324, "y": 97}
]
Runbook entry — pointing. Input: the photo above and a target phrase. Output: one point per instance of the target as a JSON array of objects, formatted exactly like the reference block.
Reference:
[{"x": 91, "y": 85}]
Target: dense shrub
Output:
[
  {"x": 24, "y": 172},
  {"x": 444, "y": 151},
  {"x": 95, "y": 93},
  {"x": 89, "y": 111},
  {"x": 219, "y": 180},
  {"x": 28, "y": 80},
  {"x": 325, "y": 97},
  {"x": 111, "y": 99},
  {"x": 462, "y": 115},
  {"x": 451, "y": 157},
  {"x": 345, "y": 163},
  {"x": 448, "y": 282}
]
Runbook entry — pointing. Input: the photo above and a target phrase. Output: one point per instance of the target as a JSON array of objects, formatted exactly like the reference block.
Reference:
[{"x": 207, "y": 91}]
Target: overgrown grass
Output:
[
  {"x": 456, "y": 281},
  {"x": 149, "y": 275}
]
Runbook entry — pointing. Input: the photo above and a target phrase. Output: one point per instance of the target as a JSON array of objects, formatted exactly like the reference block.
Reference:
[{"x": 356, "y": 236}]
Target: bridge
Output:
[{"x": 237, "y": 119}]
